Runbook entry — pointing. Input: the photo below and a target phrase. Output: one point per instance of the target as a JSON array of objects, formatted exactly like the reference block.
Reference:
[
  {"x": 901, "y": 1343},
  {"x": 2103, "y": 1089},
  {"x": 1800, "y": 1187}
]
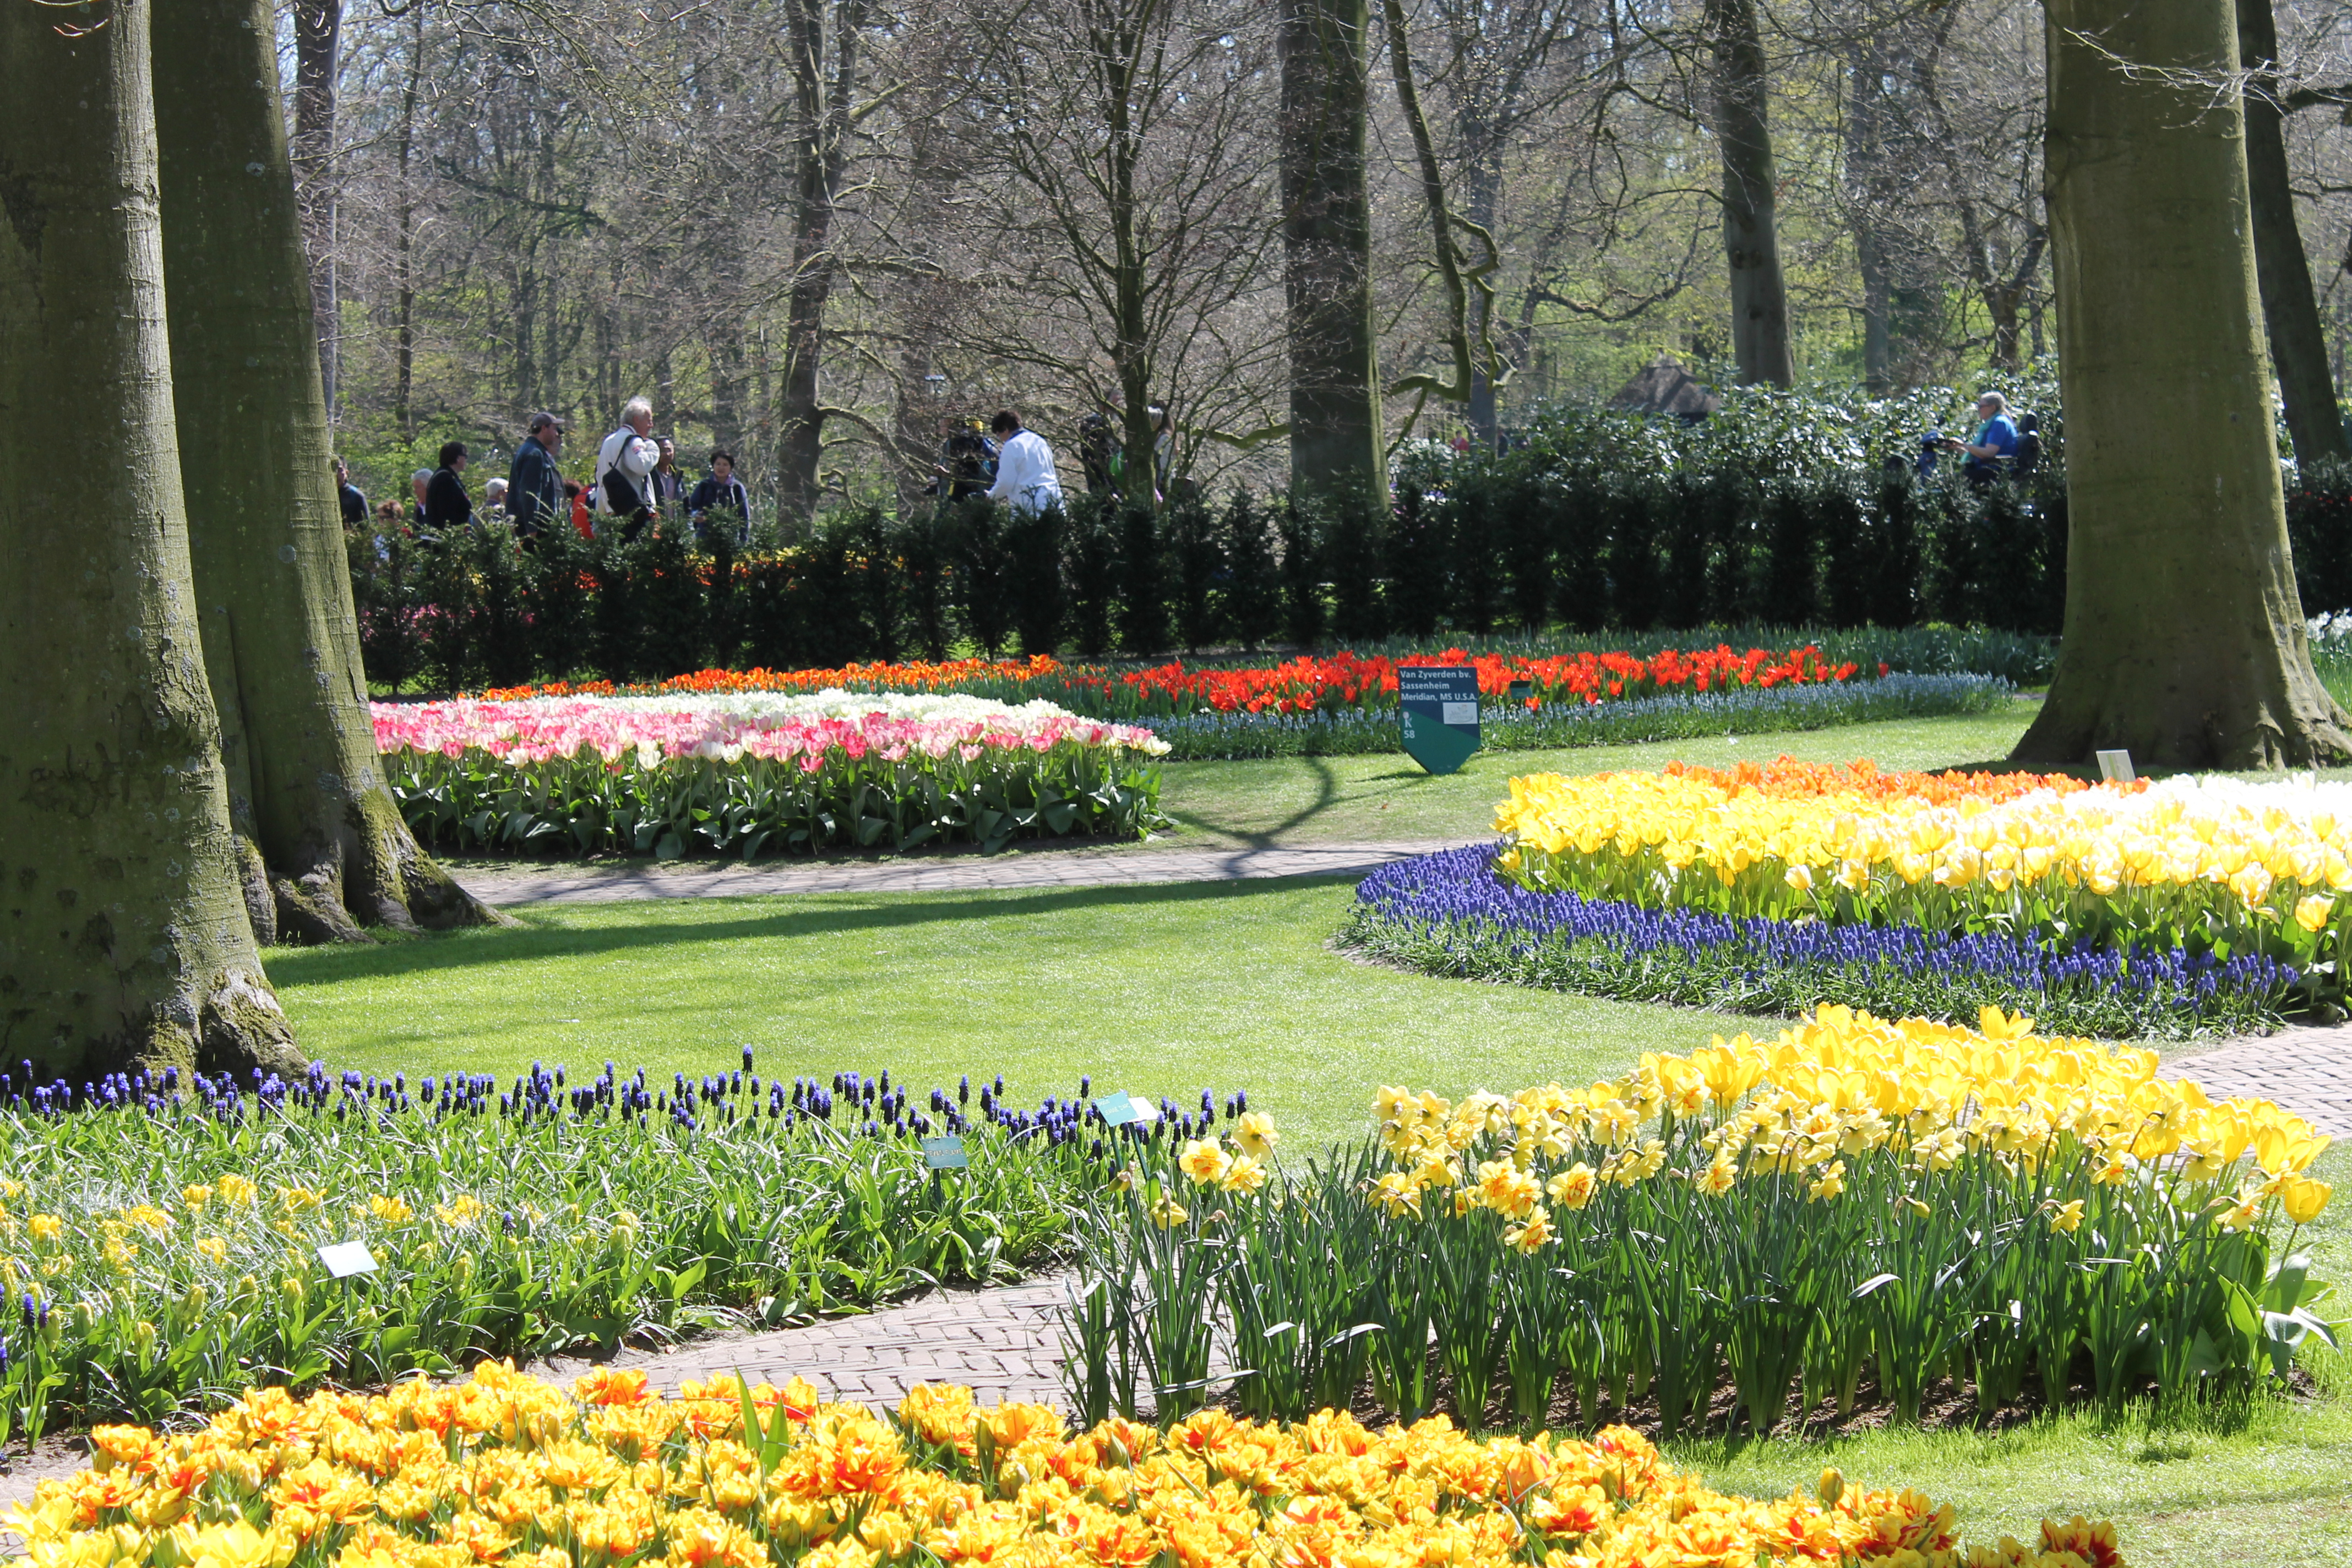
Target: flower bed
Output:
[
  {"x": 1452, "y": 914},
  {"x": 2208, "y": 866},
  {"x": 1506, "y": 726},
  {"x": 507, "y": 1469},
  {"x": 158, "y": 1234},
  {"x": 1853, "y": 1201},
  {"x": 754, "y": 772}
]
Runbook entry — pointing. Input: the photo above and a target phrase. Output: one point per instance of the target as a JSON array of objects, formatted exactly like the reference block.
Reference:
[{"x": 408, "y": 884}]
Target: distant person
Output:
[
  {"x": 624, "y": 465},
  {"x": 668, "y": 485},
  {"x": 2029, "y": 444},
  {"x": 419, "y": 481},
  {"x": 347, "y": 494},
  {"x": 494, "y": 498},
  {"x": 969, "y": 461},
  {"x": 1025, "y": 479},
  {"x": 575, "y": 501},
  {"x": 446, "y": 504},
  {"x": 1099, "y": 452},
  {"x": 722, "y": 493},
  {"x": 534, "y": 483},
  {"x": 1995, "y": 447}
]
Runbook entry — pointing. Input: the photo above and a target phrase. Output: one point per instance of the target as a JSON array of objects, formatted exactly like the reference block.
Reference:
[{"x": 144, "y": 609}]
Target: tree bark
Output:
[
  {"x": 2299, "y": 344},
  {"x": 273, "y": 588},
  {"x": 318, "y": 47},
  {"x": 2184, "y": 637},
  {"x": 122, "y": 938},
  {"x": 826, "y": 97},
  {"x": 1751, "y": 225},
  {"x": 1335, "y": 434}
]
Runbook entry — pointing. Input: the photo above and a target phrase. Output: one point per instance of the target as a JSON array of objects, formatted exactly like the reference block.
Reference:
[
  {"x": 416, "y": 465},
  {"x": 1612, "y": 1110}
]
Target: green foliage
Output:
[{"x": 525, "y": 1221}]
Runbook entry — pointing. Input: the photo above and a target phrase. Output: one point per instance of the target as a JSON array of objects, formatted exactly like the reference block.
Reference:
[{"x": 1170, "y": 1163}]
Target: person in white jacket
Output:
[
  {"x": 1026, "y": 478},
  {"x": 624, "y": 465}
]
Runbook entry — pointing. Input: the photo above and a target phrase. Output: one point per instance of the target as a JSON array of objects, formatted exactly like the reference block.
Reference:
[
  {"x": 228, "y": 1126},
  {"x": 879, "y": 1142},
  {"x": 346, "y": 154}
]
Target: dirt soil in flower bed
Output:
[{"x": 1947, "y": 1406}]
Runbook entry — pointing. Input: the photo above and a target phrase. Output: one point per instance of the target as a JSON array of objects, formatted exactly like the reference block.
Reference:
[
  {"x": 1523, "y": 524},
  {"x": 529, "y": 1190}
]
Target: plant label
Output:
[
  {"x": 1123, "y": 1109},
  {"x": 1437, "y": 706},
  {"x": 2116, "y": 766},
  {"x": 346, "y": 1259},
  {"x": 945, "y": 1153}
]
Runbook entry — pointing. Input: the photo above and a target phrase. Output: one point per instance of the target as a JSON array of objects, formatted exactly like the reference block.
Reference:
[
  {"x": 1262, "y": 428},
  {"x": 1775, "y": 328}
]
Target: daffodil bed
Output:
[
  {"x": 509, "y": 1470},
  {"x": 1912, "y": 1205},
  {"x": 748, "y": 773},
  {"x": 159, "y": 1235},
  {"x": 2166, "y": 909}
]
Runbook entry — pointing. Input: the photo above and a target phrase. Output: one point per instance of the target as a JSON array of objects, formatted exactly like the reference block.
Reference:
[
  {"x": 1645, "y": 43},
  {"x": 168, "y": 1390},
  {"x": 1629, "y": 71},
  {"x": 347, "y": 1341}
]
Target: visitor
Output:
[
  {"x": 2029, "y": 444},
  {"x": 668, "y": 486},
  {"x": 354, "y": 504},
  {"x": 624, "y": 465},
  {"x": 1995, "y": 447},
  {"x": 970, "y": 460},
  {"x": 575, "y": 501},
  {"x": 494, "y": 499},
  {"x": 1099, "y": 452},
  {"x": 446, "y": 504},
  {"x": 419, "y": 481},
  {"x": 723, "y": 493},
  {"x": 534, "y": 484},
  {"x": 1025, "y": 479}
]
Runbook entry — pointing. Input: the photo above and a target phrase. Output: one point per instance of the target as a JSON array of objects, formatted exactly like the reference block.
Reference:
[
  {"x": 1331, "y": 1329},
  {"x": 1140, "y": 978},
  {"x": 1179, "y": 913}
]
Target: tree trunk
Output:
[
  {"x": 273, "y": 588},
  {"x": 317, "y": 47},
  {"x": 2184, "y": 638},
  {"x": 1485, "y": 202},
  {"x": 2298, "y": 345},
  {"x": 1335, "y": 434},
  {"x": 825, "y": 103},
  {"x": 1751, "y": 231},
  {"x": 404, "y": 238},
  {"x": 122, "y": 938}
]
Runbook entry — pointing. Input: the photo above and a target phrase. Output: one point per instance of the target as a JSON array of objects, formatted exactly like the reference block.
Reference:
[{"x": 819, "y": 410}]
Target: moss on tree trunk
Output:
[
  {"x": 122, "y": 938},
  {"x": 2184, "y": 637},
  {"x": 273, "y": 589}
]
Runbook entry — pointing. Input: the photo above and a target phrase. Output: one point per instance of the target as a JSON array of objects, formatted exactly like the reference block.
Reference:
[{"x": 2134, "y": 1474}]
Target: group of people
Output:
[
  {"x": 1009, "y": 463},
  {"x": 635, "y": 481},
  {"x": 2003, "y": 448}
]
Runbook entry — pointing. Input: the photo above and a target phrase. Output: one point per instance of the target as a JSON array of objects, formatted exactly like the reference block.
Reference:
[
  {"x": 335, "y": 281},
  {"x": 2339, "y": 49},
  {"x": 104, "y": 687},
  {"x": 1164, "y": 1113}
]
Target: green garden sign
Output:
[{"x": 1439, "y": 710}]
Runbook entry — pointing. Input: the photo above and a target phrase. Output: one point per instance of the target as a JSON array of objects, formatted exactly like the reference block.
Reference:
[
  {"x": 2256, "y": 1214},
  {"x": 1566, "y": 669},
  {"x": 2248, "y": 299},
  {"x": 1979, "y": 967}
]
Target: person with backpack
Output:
[{"x": 624, "y": 467}]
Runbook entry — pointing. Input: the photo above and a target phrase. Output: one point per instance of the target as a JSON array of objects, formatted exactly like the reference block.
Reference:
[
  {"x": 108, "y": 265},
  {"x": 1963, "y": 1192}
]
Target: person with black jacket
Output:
[
  {"x": 534, "y": 483},
  {"x": 354, "y": 504},
  {"x": 721, "y": 492},
  {"x": 446, "y": 504}
]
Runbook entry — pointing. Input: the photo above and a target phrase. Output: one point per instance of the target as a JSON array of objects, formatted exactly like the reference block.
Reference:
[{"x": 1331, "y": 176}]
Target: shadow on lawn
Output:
[{"x": 674, "y": 923}]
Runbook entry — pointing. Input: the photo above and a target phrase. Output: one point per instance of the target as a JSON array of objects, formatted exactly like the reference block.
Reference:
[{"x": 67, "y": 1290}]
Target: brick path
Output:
[
  {"x": 2306, "y": 1067},
  {"x": 956, "y": 873}
]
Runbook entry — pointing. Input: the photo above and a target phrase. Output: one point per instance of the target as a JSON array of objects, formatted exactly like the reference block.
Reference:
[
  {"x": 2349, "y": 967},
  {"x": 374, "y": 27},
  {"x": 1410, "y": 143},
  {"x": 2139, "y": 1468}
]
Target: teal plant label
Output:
[
  {"x": 346, "y": 1259},
  {"x": 1124, "y": 1109},
  {"x": 945, "y": 1153},
  {"x": 1438, "y": 709}
]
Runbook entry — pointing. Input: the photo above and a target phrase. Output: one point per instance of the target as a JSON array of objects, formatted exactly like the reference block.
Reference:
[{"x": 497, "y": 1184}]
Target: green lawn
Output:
[
  {"x": 1166, "y": 989},
  {"x": 1169, "y": 989},
  {"x": 1357, "y": 800}
]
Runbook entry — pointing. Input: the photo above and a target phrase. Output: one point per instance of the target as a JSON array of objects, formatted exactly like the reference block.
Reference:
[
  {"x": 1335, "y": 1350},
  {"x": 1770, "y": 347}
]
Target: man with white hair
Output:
[
  {"x": 624, "y": 465},
  {"x": 1995, "y": 447}
]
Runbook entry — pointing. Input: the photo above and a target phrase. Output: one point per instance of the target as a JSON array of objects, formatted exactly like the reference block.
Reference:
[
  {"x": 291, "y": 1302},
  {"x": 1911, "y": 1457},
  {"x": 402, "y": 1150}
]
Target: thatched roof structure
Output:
[{"x": 1663, "y": 386}]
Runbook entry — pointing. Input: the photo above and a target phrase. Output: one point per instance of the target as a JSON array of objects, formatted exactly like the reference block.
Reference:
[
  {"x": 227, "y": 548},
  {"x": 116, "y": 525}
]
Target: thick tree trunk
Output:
[
  {"x": 317, "y": 47},
  {"x": 273, "y": 589},
  {"x": 122, "y": 938},
  {"x": 2184, "y": 638},
  {"x": 2298, "y": 345},
  {"x": 1335, "y": 434},
  {"x": 1751, "y": 225},
  {"x": 826, "y": 101}
]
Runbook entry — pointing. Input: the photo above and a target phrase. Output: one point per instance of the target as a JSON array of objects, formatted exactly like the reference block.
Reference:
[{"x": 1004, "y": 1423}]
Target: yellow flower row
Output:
[
  {"x": 2240, "y": 854},
  {"x": 1841, "y": 1086},
  {"x": 506, "y": 1470}
]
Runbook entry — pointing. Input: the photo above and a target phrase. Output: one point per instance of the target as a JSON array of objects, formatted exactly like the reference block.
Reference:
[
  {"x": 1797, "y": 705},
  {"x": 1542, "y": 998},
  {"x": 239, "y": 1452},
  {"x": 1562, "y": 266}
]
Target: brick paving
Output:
[
  {"x": 948, "y": 873},
  {"x": 2306, "y": 1067}
]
